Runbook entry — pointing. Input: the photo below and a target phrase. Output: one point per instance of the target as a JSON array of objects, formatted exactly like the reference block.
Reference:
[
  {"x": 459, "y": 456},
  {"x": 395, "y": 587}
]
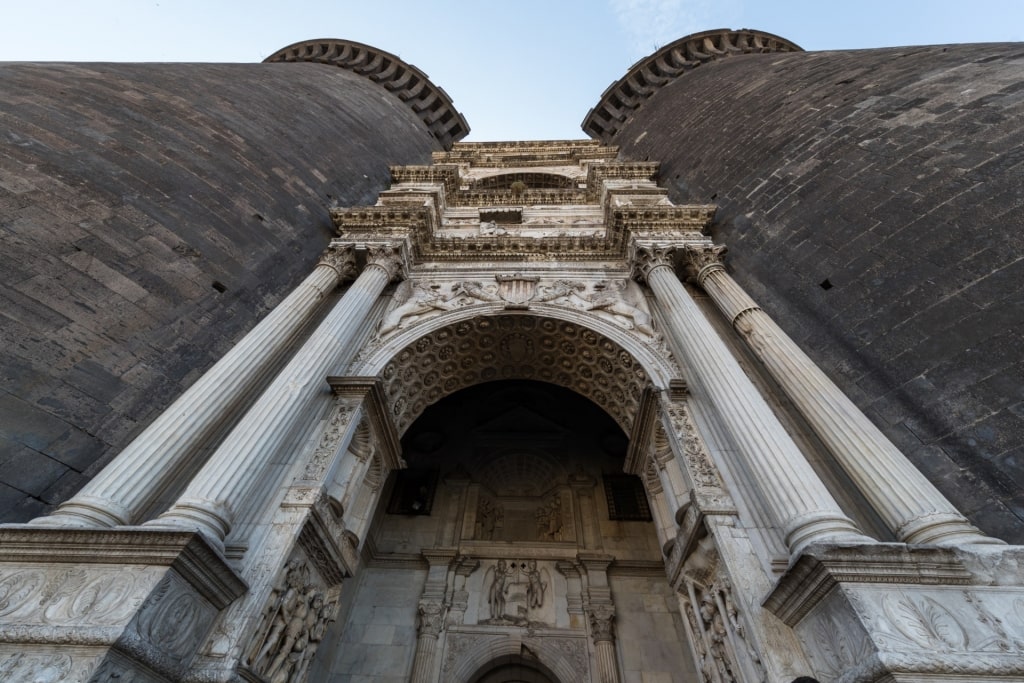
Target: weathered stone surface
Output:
[
  {"x": 151, "y": 215},
  {"x": 872, "y": 205}
]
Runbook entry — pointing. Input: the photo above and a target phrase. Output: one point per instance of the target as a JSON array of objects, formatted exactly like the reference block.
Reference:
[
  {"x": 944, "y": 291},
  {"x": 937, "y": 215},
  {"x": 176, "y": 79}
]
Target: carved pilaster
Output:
[
  {"x": 647, "y": 257},
  {"x": 388, "y": 257},
  {"x": 602, "y": 618},
  {"x": 431, "y": 618},
  {"x": 342, "y": 258},
  {"x": 701, "y": 259},
  {"x": 428, "y": 627}
]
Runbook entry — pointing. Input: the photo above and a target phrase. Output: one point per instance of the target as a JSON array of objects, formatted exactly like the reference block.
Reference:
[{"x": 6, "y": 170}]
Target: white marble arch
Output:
[
  {"x": 563, "y": 658},
  {"x": 658, "y": 366}
]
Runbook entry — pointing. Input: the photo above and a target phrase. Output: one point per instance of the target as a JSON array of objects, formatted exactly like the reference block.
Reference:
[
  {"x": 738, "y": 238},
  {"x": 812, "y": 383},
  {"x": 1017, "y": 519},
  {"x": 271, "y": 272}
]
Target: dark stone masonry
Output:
[
  {"x": 150, "y": 215},
  {"x": 873, "y": 204}
]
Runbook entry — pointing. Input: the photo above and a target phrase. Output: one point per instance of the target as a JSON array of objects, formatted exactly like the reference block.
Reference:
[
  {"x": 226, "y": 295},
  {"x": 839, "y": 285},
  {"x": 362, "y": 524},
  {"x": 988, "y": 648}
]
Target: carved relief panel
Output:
[
  {"x": 293, "y": 622},
  {"x": 518, "y": 593},
  {"x": 716, "y": 632}
]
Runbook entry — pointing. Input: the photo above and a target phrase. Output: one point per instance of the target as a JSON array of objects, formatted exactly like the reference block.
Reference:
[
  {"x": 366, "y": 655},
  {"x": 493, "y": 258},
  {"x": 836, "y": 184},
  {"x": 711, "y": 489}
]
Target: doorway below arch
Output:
[
  {"x": 514, "y": 669},
  {"x": 513, "y": 524}
]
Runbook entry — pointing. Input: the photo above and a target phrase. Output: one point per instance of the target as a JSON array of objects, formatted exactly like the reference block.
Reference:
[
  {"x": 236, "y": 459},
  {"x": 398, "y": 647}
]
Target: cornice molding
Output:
[
  {"x": 428, "y": 101},
  {"x": 652, "y": 73}
]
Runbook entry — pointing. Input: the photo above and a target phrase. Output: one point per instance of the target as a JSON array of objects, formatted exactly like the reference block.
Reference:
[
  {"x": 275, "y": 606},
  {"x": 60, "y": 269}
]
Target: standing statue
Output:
[
  {"x": 488, "y": 515},
  {"x": 496, "y": 596},
  {"x": 535, "y": 586},
  {"x": 319, "y": 616},
  {"x": 625, "y": 298}
]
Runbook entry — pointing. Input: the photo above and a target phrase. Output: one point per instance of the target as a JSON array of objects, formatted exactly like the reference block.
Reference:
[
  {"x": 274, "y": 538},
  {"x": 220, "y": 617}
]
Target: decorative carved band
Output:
[
  {"x": 702, "y": 259},
  {"x": 647, "y": 257},
  {"x": 341, "y": 257},
  {"x": 430, "y": 103},
  {"x": 629, "y": 93},
  {"x": 386, "y": 256}
]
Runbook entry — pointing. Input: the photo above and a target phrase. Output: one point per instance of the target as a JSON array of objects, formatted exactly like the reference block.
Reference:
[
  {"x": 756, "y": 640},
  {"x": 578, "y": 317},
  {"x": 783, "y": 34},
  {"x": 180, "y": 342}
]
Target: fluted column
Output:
[
  {"x": 215, "y": 495},
  {"x": 799, "y": 502},
  {"x": 122, "y": 490},
  {"x": 431, "y": 619},
  {"x": 601, "y": 630},
  {"x": 908, "y": 503}
]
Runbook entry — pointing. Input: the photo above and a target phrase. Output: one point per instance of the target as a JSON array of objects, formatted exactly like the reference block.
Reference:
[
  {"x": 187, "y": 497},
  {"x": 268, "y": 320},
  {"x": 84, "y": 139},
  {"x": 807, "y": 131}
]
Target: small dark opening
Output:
[
  {"x": 714, "y": 196},
  {"x": 257, "y": 216},
  {"x": 825, "y": 284},
  {"x": 219, "y": 286}
]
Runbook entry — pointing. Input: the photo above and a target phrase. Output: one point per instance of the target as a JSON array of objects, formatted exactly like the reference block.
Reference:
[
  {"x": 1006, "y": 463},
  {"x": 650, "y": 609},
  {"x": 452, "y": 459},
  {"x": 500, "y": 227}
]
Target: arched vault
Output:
[{"x": 585, "y": 354}]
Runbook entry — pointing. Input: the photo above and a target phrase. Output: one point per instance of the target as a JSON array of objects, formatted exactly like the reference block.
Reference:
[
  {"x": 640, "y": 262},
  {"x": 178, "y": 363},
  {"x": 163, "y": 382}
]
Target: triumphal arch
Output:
[{"x": 527, "y": 428}]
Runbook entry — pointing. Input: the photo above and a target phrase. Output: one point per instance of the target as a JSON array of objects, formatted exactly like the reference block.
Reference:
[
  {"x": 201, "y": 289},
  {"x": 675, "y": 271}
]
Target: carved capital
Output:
[
  {"x": 702, "y": 259},
  {"x": 342, "y": 258},
  {"x": 431, "y": 618},
  {"x": 647, "y": 257},
  {"x": 602, "y": 618},
  {"x": 386, "y": 256}
]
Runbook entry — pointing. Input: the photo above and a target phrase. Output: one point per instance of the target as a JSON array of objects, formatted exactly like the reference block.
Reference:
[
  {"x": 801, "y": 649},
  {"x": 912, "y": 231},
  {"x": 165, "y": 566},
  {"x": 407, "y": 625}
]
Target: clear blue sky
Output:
[{"x": 525, "y": 69}]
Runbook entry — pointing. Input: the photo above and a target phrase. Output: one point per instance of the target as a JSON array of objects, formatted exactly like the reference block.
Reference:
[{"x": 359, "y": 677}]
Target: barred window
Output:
[{"x": 627, "y": 500}]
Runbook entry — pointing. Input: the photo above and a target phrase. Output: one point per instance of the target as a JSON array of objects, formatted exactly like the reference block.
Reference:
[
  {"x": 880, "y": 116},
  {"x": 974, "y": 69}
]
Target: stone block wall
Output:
[
  {"x": 873, "y": 203},
  {"x": 150, "y": 215},
  {"x": 649, "y": 631}
]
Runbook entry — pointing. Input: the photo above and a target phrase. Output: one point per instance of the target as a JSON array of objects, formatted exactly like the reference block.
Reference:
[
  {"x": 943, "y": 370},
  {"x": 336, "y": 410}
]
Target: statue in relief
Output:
[
  {"x": 625, "y": 299},
  {"x": 496, "y": 595},
  {"x": 412, "y": 299},
  {"x": 535, "y": 587}
]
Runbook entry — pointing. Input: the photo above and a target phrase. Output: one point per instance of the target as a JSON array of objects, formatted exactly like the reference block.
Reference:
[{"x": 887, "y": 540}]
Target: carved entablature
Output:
[
  {"x": 445, "y": 174},
  {"x": 569, "y": 201},
  {"x": 526, "y": 154}
]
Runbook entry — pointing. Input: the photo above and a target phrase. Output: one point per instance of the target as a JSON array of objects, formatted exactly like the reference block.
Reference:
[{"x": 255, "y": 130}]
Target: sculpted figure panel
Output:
[
  {"x": 292, "y": 627},
  {"x": 518, "y": 594},
  {"x": 626, "y": 301}
]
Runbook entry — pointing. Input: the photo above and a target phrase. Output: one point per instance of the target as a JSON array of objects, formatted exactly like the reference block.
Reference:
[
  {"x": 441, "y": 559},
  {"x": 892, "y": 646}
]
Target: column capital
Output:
[
  {"x": 648, "y": 255},
  {"x": 702, "y": 259},
  {"x": 340, "y": 256},
  {"x": 389, "y": 256},
  {"x": 602, "y": 617},
  {"x": 431, "y": 618}
]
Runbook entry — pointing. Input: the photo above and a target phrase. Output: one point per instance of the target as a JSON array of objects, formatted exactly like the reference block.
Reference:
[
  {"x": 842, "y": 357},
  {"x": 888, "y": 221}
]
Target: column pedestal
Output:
[
  {"x": 889, "y": 612},
  {"x": 132, "y": 604}
]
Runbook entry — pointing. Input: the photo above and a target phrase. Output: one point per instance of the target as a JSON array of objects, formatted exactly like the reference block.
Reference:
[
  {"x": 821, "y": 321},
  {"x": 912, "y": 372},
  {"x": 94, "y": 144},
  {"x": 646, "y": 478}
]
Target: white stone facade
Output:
[{"x": 787, "y": 536}]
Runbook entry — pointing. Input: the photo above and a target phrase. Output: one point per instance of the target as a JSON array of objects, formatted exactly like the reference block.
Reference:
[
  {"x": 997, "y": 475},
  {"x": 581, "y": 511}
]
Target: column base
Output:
[
  {"x": 84, "y": 604},
  {"x": 209, "y": 519},
  {"x": 895, "y": 613},
  {"x": 87, "y": 513},
  {"x": 943, "y": 528}
]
